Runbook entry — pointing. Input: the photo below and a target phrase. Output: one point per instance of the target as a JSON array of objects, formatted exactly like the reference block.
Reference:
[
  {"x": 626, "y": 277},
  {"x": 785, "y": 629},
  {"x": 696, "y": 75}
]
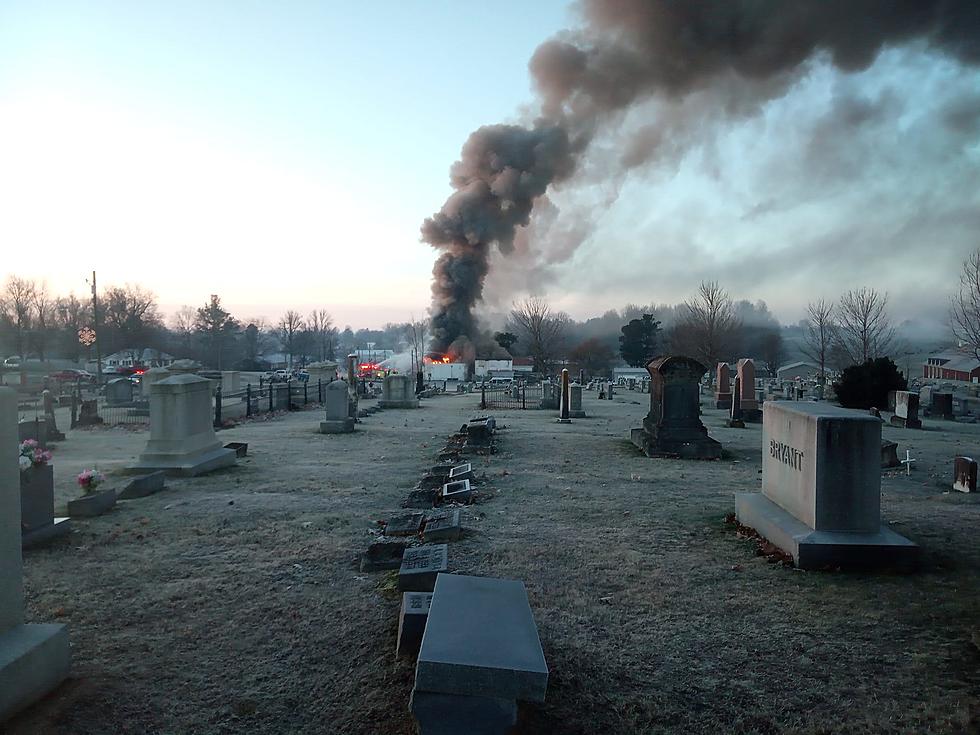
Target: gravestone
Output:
[
  {"x": 735, "y": 414},
  {"x": 926, "y": 393},
  {"x": 889, "y": 454},
  {"x": 746, "y": 378},
  {"x": 38, "y": 524},
  {"x": 231, "y": 381},
  {"x": 564, "y": 399},
  {"x": 34, "y": 659},
  {"x": 398, "y": 392},
  {"x": 407, "y": 524},
  {"x": 337, "y": 403},
  {"x": 36, "y": 429},
  {"x": 411, "y": 622},
  {"x": 53, "y": 435},
  {"x": 549, "y": 396},
  {"x": 184, "y": 366},
  {"x": 821, "y": 489},
  {"x": 182, "y": 439},
  {"x": 140, "y": 487},
  {"x": 906, "y": 410},
  {"x": 575, "y": 409},
  {"x": 673, "y": 426},
  {"x": 324, "y": 372},
  {"x": 460, "y": 472},
  {"x": 942, "y": 406},
  {"x": 119, "y": 392},
  {"x": 420, "y": 566},
  {"x": 891, "y": 400},
  {"x": 723, "y": 390},
  {"x": 89, "y": 413},
  {"x": 446, "y": 526},
  {"x": 480, "y": 654},
  {"x": 458, "y": 491},
  {"x": 965, "y": 475}
]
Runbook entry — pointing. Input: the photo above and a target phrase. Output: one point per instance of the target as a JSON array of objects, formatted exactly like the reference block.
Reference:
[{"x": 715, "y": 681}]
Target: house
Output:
[
  {"x": 494, "y": 368},
  {"x": 801, "y": 370},
  {"x": 132, "y": 357},
  {"x": 523, "y": 365},
  {"x": 952, "y": 365},
  {"x": 624, "y": 373}
]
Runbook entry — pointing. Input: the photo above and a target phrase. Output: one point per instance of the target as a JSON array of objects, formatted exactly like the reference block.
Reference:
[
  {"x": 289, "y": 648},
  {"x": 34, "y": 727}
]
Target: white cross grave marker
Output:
[{"x": 908, "y": 463}]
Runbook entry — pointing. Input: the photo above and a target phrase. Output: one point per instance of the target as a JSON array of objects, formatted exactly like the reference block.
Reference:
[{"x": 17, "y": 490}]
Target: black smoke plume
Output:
[{"x": 628, "y": 51}]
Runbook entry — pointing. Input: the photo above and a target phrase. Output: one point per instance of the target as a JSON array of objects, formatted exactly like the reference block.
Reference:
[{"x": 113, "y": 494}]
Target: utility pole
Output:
[{"x": 98, "y": 334}]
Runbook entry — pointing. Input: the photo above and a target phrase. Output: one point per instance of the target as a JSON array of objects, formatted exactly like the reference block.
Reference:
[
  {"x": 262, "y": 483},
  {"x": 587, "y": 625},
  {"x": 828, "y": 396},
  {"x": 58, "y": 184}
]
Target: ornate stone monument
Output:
[
  {"x": 337, "y": 401},
  {"x": 821, "y": 489},
  {"x": 673, "y": 426},
  {"x": 34, "y": 659},
  {"x": 565, "y": 399},
  {"x": 723, "y": 388},
  {"x": 182, "y": 439},
  {"x": 398, "y": 392}
]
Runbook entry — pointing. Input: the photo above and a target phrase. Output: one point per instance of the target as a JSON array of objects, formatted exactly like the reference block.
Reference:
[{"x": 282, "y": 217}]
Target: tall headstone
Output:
[
  {"x": 565, "y": 399},
  {"x": 399, "y": 392},
  {"x": 821, "y": 489},
  {"x": 942, "y": 406},
  {"x": 735, "y": 415},
  {"x": 325, "y": 372},
  {"x": 575, "y": 409},
  {"x": 336, "y": 402},
  {"x": 47, "y": 398},
  {"x": 965, "y": 475},
  {"x": 746, "y": 379},
  {"x": 723, "y": 383},
  {"x": 34, "y": 659},
  {"x": 119, "y": 392},
  {"x": 673, "y": 426},
  {"x": 906, "y": 410},
  {"x": 182, "y": 439}
]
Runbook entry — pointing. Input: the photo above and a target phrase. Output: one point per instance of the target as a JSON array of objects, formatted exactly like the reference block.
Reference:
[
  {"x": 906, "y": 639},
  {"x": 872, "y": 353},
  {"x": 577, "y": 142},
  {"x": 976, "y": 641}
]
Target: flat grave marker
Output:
[{"x": 420, "y": 566}]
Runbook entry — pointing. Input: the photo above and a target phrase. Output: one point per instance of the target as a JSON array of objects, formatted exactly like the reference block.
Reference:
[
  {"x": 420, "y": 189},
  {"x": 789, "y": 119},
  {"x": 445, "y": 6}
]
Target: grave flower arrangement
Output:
[
  {"x": 31, "y": 455},
  {"x": 88, "y": 480}
]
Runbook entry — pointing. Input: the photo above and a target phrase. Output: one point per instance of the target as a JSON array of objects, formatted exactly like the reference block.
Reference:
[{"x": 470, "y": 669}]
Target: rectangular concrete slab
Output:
[
  {"x": 481, "y": 640},
  {"x": 454, "y": 714},
  {"x": 34, "y": 659},
  {"x": 810, "y": 549},
  {"x": 140, "y": 487},
  {"x": 443, "y": 527},
  {"x": 420, "y": 566}
]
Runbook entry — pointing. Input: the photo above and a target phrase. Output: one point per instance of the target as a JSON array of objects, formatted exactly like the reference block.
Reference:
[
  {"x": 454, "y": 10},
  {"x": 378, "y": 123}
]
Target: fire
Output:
[{"x": 445, "y": 358}]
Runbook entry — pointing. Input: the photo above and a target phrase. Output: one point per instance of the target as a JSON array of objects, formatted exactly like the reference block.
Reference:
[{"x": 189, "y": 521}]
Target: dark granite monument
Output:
[
  {"x": 965, "y": 475},
  {"x": 673, "y": 426}
]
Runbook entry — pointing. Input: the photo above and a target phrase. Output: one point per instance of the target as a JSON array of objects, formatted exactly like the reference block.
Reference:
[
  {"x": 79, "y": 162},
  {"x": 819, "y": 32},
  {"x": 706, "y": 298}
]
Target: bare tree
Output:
[
  {"x": 290, "y": 326},
  {"x": 320, "y": 325},
  {"x": 71, "y": 315},
  {"x": 16, "y": 308},
  {"x": 709, "y": 327},
  {"x": 543, "y": 330},
  {"x": 772, "y": 351},
  {"x": 819, "y": 334},
  {"x": 131, "y": 312},
  {"x": 964, "y": 307},
  {"x": 183, "y": 327},
  {"x": 864, "y": 331},
  {"x": 44, "y": 317},
  {"x": 416, "y": 334}
]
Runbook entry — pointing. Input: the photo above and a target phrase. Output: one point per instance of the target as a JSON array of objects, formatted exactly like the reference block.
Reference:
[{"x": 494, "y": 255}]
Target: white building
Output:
[
  {"x": 798, "y": 371},
  {"x": 135, "y": 358},
  {"x": 494, "y": 368}
]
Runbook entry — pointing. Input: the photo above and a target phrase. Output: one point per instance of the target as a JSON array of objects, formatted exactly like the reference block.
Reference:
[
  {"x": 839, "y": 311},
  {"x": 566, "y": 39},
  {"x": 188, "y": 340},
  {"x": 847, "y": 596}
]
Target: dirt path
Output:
[{"x": 232, "y": 603}]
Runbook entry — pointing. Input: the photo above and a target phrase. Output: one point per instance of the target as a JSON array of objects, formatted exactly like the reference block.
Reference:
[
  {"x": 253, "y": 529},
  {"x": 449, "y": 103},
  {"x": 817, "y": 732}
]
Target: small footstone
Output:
[
  {"x": 408, "y": 524},
  {"x": 411, "y": 622},
  {"x": 420, "y": 566},
  {"x": 443, "y": 527},
  {"x": 460, "y": 491},
  {"x": 140, "y": 487}
]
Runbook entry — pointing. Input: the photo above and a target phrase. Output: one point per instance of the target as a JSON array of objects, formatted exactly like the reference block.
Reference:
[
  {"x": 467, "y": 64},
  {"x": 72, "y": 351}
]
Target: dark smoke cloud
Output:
[{"x": 707, "y": 60}]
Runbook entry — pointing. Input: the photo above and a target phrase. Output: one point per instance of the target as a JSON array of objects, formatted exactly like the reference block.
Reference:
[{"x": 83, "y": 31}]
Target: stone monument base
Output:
[
  {"x": 34, "y": 659},
  {"x": 701, "y": 447},
  {"x": 186, "y": 465},
  {"x": 444, "y": 714},
  {"x": 906, "y": 423},
  {"x": 820, "y": 549},
  {"x": 723, "y": 400},
  {"x": 752, "y": 415},
  {"x": 411, "y": 403},
  {"x": 338, "y": 426},
  {"x": 44, "y": 534}
]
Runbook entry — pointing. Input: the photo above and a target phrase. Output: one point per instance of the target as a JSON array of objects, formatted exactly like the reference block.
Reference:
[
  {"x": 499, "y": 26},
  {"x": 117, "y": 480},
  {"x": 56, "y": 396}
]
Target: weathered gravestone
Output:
[
  {"x": 445, "y": 526},
  {"x": 399, "y": 392},
  {"x": 420, "y": 565},
  {"x": 889, "y": 454},
  {"x": 723, "y": 389},
  {"x": 34, "y": 659},
  {"x": 735, "y": 420},
  {"x": 821, "y": 489},
  {"x": 337, "y": 404},
  {"x": 47, "y": 398},
  {"x": 906, "y": 410},
  {"x": 564, "y": 399},
  {"x": 549, "y": 396},
  {"x": 411, "y": 622},
  {"x": 407, "y": 524},
  {"x": 119, "y": 392},
  {"x": 182, "y": 439},
  {"x": 965, "y": 475},
  {"x": 575, "y": 409},
  {"x": 746, "y": 379},
  {"x": 458, "y": 491},
  {"x": 673, "y": 426},
  {"x": 942, "y": 406},
  {"x": 480, "y": 654},
  {"x": 144, "y": 485}
]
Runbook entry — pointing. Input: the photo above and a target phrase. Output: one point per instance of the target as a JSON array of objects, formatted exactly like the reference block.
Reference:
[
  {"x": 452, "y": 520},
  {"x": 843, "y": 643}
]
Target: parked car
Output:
[
  {"x": 12, "y": 361},
  {"x": 73, "y": 376},
  {"x": 277, "y": 376},
  {"x": 302, "y": 376}
]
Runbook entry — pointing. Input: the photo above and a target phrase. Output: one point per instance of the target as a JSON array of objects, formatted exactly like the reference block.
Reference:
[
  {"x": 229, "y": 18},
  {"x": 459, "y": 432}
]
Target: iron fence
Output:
[
  {"x": 516, "y": 396},
  {"x": 266, "y": 398}
]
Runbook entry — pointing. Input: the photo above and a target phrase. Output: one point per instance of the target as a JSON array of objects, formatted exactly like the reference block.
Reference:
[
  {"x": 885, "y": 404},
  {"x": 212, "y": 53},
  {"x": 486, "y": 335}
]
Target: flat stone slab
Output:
[
  {"x": 810, "y": 549},
  {"x": 411, "y": 622},
  {"x": 461, "y": 472},
  {"x": 45, "y": 534},
  {"x": 481, "y": 640},
  {"x": 140, "y": 487},
  {"x": 89, "y": 506},
  {"x": 443, "y": 527},
  {"x": 34, "y": 659},
  {"x": 452, "y": 714},
  {"x": 337, "y": 426},
  {"x": 191, "y": 466},
  {"x": 407, "y": 524},
  {"x": 420, "y": 566}
]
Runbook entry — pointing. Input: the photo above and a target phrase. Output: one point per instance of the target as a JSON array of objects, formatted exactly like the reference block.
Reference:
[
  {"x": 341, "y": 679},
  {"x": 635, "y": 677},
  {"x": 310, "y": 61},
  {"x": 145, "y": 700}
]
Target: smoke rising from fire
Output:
[{"x": 703, "y": 62}]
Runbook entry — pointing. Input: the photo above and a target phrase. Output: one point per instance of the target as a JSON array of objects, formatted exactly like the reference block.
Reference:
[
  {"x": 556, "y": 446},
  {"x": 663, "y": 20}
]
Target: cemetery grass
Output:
[{"x": 232, "y": 603}]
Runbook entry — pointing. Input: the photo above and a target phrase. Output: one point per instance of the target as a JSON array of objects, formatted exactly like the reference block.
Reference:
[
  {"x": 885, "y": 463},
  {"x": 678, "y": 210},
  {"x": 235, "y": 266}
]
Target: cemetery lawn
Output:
[{"x": 233, "y": 603}]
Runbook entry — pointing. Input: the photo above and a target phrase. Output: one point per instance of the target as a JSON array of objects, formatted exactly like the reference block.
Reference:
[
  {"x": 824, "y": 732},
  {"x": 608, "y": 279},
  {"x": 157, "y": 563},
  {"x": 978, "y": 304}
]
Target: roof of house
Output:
[
  {"x": 962, "y": 363},
  {"x": 799, "y": 364}
]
